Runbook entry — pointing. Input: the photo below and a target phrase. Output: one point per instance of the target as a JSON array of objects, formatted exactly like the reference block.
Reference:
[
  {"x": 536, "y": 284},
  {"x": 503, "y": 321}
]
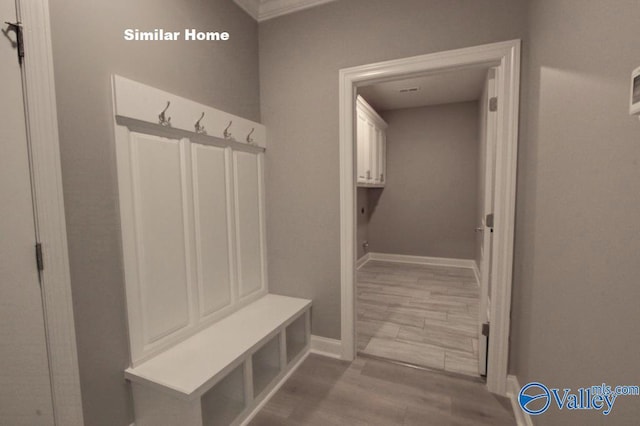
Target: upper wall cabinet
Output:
[{"x": 371, "y": 146}]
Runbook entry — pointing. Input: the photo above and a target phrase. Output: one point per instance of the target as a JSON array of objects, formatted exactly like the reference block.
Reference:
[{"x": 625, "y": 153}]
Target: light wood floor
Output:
[
  {"x": 369, "y": 392},
  {"x": 419, "y": 314}
]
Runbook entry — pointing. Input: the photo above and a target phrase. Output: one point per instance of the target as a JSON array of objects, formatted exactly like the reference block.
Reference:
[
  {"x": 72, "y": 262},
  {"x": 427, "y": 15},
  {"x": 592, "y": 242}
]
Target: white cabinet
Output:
[{"x": 371, "y": 146}]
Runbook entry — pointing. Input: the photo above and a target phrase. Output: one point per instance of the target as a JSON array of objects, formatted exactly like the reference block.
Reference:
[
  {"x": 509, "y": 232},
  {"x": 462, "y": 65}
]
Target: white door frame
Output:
[
  {"x": 42, "y": 134},
  {"x": 489, "y": 138},
  {"x": 505, "y": 56}
]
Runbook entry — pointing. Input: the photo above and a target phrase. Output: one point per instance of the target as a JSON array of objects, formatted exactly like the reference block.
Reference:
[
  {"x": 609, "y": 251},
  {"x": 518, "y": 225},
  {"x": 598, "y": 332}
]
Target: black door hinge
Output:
[
  {"x": 485, "y": 329},
  {"x": 16, "y": 27},
  {"x": 39, "y": 259},
  {"x": 493, "y": 104},
  {"x": 489, "y": 221}
]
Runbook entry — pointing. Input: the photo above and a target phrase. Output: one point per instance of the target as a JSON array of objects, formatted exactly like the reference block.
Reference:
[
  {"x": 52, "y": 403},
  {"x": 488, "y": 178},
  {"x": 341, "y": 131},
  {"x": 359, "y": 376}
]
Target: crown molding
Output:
[
  {"x": 262, "y": 10},
  {"x": 252, "y": 7}
]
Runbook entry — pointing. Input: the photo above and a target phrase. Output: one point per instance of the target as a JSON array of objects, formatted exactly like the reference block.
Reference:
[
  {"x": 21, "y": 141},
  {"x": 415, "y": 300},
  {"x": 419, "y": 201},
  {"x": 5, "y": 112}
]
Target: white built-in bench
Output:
[
  {"x": 208, "y": 342},
  {"x": 220, "y": 375}
]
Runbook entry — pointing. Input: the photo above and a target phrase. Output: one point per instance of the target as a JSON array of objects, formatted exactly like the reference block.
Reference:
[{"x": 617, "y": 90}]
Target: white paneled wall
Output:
[
  {"x": 193, "y": 235},
  {"x": 161, "y": 212},
  {"x": 248, "y": 197},
  {"x": 213, "y": 207}
]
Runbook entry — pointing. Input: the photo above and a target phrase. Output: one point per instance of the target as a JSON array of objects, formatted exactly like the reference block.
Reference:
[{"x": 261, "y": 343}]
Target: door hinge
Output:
[
  {"x": 485, "y": 329},
  {"x": 39, "y": 258},
  {"x": 493, "y": 104},
  {"x": 16, "y": 27},
  {"x": 489, "y": 221}
]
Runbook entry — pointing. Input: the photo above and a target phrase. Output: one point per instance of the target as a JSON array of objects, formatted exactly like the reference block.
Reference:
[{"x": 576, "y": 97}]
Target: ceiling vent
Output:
[{"x": 409, "y": 89}]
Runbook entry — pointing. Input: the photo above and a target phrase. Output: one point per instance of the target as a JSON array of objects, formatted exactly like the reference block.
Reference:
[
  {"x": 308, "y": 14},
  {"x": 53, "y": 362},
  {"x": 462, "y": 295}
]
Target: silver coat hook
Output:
[
  {"x": 227, "y": 133},
  {"x": 200, "y": 128},
  {"x": 249, "y": 138},
  {"x": 163, "y": 119}
]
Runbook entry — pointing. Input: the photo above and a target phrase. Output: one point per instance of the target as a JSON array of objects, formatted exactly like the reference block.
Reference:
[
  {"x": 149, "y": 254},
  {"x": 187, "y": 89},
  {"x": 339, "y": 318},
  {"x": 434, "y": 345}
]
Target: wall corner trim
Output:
[
  {"x": 324, "y": 346},
  {"x": 513, "y": 388},
  {"x": 363, "y": 261}
]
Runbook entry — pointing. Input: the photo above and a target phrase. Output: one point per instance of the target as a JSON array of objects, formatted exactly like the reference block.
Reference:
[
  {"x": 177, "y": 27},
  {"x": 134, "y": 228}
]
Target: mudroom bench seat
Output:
[{"x": 220, "y": 375}]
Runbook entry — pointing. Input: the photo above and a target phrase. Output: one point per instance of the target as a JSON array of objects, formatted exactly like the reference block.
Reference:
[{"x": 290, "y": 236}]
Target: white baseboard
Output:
[
  {"x": 513, "y": 389},
  {"x": 423, "y": 260},
  {"x": 364, "y": 259},
  {"x": 273, "y": 391},
  {"x": 324, "y": 346},
  {"x": 476, "y": 272}
]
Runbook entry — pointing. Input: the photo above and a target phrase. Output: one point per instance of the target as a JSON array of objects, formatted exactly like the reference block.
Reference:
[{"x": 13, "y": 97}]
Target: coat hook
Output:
[
  {"x": 163, "y": 120},
  {"x": 199, "y": 128},
  {"x": 249, "y": 138},
  {"x": 227, "y": 133}
]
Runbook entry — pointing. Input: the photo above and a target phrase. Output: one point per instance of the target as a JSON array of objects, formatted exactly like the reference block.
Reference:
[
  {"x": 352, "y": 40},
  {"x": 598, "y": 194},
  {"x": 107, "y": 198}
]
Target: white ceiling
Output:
[
  {"x": 261, "y": 10},
  {"x": 435, "y": 89}
]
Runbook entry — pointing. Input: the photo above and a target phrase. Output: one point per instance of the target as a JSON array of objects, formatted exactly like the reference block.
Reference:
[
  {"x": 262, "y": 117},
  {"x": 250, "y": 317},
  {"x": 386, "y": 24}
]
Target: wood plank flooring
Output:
[
  {"x": 420, "y": 314},
  {"x": 328, "y": 392}
]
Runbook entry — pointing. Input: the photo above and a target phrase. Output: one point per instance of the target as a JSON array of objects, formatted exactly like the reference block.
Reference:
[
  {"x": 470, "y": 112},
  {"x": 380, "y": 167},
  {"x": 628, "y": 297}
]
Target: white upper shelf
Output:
[{"x": 145, "y": 103}]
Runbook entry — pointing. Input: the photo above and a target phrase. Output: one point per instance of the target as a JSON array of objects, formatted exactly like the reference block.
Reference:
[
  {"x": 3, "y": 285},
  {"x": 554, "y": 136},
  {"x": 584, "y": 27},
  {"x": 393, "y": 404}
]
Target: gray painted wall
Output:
[
  {"x": 429, "y": 204},
  {"x": 363, "y": 215},
  {"x": 576, "y": 291},
  {"x": 87, "y": 48},
  {"x": 300, "y": 55}
]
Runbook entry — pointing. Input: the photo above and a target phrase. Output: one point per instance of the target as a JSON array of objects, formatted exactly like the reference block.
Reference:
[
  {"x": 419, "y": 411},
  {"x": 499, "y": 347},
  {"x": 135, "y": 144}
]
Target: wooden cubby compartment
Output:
[
  {"x": 266, "y": 365},
  {"x": 225, "y": 401},
  {"x": 296, "y": 337}
]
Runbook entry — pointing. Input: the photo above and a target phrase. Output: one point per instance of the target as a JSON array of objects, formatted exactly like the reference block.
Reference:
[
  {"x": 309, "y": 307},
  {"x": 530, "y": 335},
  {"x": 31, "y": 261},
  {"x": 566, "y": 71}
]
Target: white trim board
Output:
[
  {"x": 144, "y": 103},
  {"x": 476, "y": 272},
  {"x": 505, "y": 56},
  {"x": 423, "y": 260},
  {"x": 42, "y": 123},
  {"x": 324, "y": 346},
  {"x": 262, "y": 10},
  {"x": 513, "y": 389},
  {"x": 363, "y": 260}
]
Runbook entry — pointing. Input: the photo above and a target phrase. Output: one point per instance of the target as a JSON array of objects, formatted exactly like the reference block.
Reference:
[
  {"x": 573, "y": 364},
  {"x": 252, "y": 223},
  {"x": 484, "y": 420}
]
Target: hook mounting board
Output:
[{"x": 142, "y": 102}]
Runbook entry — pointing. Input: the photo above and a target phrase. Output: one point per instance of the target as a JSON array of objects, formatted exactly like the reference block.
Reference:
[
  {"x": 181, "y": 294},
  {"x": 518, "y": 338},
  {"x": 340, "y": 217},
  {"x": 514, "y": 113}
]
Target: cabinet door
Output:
[
  {"x": 362, "y": 132},
  {"x": 373, "y": 153},
  {"x": 382, "y": 155}
]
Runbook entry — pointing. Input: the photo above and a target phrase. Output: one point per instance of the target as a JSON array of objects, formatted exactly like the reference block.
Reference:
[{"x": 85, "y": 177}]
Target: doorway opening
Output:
[
  {"x": 504, "y": 58},
  {"x": 424, "y": 173}
]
